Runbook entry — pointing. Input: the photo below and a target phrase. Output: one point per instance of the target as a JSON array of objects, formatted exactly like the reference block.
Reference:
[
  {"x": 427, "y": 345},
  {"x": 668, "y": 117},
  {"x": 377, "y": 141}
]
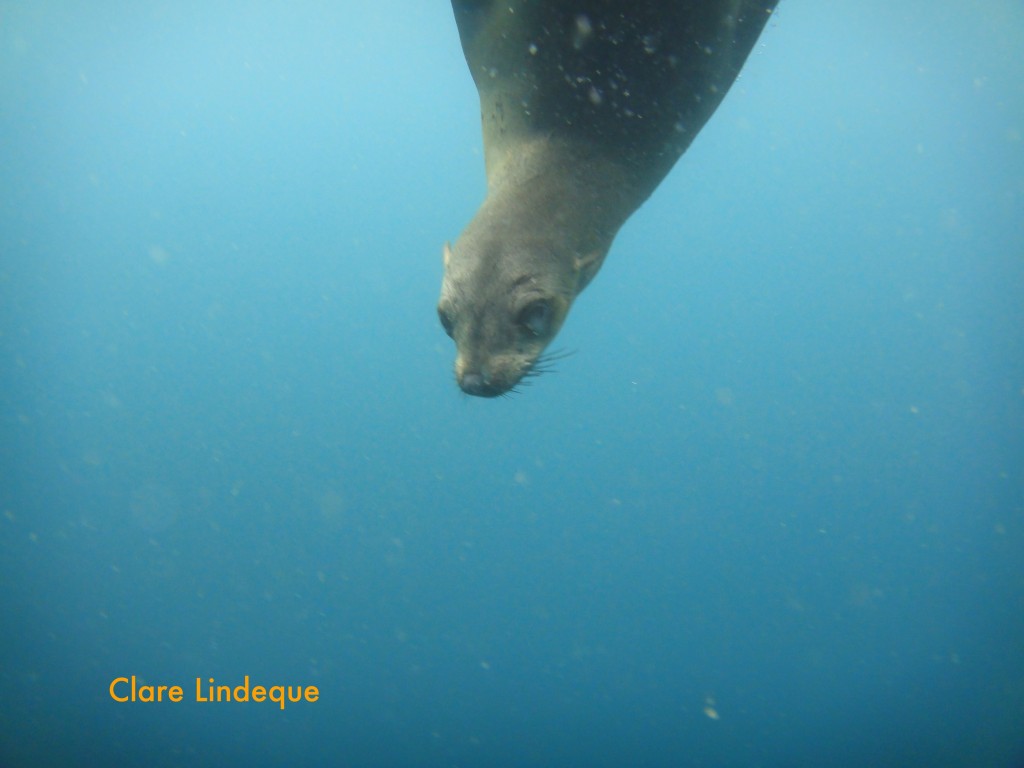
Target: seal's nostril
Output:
[
  {"x": 472, "y": 382},
  {"x": 475, "y": 384}
]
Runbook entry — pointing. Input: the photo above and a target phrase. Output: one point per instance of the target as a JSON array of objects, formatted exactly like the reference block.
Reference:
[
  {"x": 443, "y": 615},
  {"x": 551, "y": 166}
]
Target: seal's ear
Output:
[
  {"x": 586, "y": 267},
  {"x": 447, "y": 254}
]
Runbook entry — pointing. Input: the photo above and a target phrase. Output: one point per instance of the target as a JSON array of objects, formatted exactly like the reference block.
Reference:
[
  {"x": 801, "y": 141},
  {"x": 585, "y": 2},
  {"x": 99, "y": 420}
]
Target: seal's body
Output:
[{"x": 586, "y": 105}]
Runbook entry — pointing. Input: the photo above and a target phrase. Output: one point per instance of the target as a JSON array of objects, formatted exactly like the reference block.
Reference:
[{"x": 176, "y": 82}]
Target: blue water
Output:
[{"x": 770, "y": 513}]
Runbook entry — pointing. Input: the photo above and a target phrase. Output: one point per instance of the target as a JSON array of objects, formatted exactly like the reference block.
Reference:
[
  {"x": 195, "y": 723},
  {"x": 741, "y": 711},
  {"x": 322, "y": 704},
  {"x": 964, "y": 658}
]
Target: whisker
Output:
[
  {"x": 545, "y": 363},
  {"x": 556, "y": 354}
]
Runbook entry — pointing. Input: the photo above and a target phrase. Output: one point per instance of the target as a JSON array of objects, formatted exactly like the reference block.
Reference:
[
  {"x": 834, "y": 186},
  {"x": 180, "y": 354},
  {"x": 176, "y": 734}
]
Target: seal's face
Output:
[{"x": 502, "y": 310}]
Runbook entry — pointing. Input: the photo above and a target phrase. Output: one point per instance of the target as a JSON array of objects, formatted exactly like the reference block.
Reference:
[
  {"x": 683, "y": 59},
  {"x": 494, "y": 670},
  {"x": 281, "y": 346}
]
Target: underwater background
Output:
[{"x": 769, "y": 513}]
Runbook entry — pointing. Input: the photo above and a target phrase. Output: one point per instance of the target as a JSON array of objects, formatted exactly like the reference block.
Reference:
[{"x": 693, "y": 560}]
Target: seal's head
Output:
[{"x": 502, "y": 302}]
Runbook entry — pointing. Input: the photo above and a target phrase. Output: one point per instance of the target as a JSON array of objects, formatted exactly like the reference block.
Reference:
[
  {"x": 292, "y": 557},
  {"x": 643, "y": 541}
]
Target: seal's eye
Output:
[
  {"x": 536, "y": 317},
  {"x": 446, "y": 321}
]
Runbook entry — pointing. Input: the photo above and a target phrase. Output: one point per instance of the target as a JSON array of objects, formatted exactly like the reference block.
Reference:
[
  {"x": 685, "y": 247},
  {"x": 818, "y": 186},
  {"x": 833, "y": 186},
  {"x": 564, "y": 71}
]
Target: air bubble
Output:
[{"x": 584, "y": 29}]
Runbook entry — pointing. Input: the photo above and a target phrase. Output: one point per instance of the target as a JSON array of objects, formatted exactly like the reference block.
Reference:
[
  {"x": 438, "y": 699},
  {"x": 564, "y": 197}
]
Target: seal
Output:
[{"x": 586, "y": 105}]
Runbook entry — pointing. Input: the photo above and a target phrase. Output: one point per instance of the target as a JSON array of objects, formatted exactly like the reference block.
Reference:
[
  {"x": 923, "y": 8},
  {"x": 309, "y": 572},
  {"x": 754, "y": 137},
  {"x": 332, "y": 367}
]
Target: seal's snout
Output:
[
  {"x": 476, "y": 384},
  {"x": 493, "y": 378}
]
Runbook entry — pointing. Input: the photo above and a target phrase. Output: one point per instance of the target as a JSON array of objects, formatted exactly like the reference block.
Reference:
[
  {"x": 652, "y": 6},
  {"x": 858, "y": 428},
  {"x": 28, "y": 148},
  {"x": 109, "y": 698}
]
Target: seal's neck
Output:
[{"x": 555, "y": 188}]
